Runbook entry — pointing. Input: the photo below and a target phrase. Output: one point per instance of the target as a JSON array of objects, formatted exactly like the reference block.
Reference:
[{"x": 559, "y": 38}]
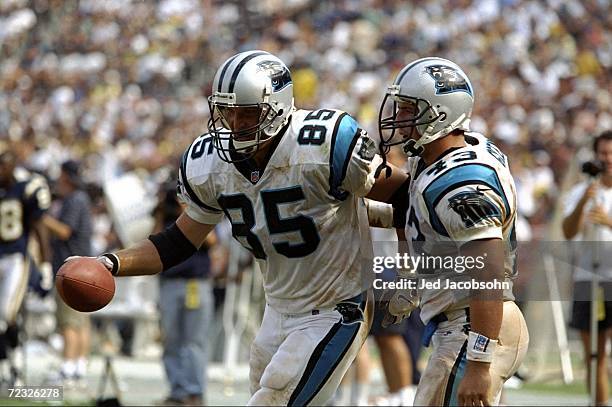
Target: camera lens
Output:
[{"x": 593, "y": 168}]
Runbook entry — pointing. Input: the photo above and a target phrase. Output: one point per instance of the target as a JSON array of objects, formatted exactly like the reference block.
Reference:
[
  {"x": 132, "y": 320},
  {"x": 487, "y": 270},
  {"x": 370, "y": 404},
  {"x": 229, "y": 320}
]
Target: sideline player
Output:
[
  {"x": 24, "y": 197},
  {"x": 291, "y": 182},
  {"x": 461, "y": 193}
]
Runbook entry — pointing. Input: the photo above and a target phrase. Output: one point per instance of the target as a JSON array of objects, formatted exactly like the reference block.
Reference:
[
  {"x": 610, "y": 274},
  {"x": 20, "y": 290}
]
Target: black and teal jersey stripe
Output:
[
  {"x": 345, "y": 136},
  {"x": 456, "y": 177}
]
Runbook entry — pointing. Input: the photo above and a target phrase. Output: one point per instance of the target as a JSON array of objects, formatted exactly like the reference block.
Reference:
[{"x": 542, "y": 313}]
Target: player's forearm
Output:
[
  {"x": 384, "y": 188},
  {"x": 486, "y": 305},
  {"x": 138, "y": 260},
  {"x": 163, "y": 250},
  {"x": 486, "y": 316},
  {"x": 485, "y": 320}
]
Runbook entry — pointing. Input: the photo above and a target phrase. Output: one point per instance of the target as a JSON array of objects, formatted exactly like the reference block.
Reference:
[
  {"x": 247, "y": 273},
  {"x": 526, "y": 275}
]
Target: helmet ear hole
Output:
[{"x": 442, "y": 117}]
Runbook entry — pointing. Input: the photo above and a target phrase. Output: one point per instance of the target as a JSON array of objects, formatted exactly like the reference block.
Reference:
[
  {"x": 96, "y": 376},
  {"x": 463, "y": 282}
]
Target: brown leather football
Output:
[{"x": 85, "y": 284}]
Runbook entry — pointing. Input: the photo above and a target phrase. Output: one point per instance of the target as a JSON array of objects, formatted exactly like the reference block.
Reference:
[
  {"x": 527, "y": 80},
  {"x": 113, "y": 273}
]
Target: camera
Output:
[{"x": 593, "y": 168}]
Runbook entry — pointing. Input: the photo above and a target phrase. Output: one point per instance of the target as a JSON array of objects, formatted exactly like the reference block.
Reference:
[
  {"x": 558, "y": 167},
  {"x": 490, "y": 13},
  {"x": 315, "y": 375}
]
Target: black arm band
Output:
[
  {"x": 173, "y": 246},
  {"x": 400, "y": 202}
]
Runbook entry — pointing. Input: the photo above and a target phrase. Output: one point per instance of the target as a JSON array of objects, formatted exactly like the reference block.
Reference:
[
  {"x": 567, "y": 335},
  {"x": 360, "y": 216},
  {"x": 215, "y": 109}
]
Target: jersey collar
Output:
[
  {"x": 248, "y": 168},
  {"x": 421, "y": 166}
]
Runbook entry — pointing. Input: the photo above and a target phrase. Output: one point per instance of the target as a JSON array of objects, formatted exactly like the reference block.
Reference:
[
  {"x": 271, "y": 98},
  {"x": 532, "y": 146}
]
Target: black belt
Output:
[{"x": 432, "y": 326}]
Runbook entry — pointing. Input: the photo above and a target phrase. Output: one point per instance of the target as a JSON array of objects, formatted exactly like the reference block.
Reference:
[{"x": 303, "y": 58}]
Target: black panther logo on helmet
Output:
[
  {"x": 278, "y": 73},
  {"x": 448, "y": 79}
]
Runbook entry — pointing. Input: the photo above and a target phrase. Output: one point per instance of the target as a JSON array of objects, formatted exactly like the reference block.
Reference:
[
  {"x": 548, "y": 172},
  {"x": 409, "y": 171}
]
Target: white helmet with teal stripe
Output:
[
  {"x": 441, "y": 95},
  {"x": 252, "y": 81}
]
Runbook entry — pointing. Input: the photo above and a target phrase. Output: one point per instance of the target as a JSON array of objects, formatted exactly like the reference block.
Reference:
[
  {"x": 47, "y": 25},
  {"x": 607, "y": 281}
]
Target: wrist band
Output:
[
  {"x": 480, "y": 348},
  {"x": 379, "y": 213},
  {"x": 114, "y": 259}
]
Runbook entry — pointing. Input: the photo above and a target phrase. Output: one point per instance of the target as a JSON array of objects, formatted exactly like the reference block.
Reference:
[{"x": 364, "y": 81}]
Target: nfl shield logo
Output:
[{"x": 254, "y": 176}]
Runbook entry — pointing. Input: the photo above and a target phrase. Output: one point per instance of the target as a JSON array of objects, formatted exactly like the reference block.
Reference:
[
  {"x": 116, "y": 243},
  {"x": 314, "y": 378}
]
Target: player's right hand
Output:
[
  {"x": 398, "y": 305},
  {"x": 105, "y": 261},
  {"x": 475, "y": 386}
]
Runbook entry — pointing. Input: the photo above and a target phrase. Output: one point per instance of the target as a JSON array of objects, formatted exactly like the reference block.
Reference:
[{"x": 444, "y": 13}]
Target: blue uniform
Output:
[{"x": 21, "y": 205}]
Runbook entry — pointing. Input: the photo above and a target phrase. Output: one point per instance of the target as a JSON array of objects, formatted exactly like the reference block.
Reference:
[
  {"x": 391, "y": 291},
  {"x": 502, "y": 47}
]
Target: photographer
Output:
[{"x": 588, "y": 218}]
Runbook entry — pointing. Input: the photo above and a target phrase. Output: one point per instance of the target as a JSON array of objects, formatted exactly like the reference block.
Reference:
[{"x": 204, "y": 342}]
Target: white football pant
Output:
[
  {"x": 13, "y": 285},
  {"x": 299, "y": 359},
  {"x": 446, "y": 366}
]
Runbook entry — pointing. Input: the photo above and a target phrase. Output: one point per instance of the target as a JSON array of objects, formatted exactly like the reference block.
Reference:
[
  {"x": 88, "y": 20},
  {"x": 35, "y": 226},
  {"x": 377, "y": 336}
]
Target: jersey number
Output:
[
  {"x": 242, "y": 231},
  {"x": 200, "y": 148},
  {"x": 11, "y": 227},
  {"x": 315, "y": 133},
  {"x": 312, "y": 134}
]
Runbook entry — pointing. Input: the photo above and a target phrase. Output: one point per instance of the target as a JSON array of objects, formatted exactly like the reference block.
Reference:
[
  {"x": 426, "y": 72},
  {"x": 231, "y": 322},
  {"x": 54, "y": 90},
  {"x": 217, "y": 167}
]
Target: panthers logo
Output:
[
  {"x": 473, "y": 207},
  {"x": 278, "y": 73},
  {"x": 448, "y": 80}
]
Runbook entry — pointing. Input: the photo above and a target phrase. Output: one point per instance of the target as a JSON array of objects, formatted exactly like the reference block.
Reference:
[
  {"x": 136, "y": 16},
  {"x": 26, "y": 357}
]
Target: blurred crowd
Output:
[{"x": 121, "y": 85}]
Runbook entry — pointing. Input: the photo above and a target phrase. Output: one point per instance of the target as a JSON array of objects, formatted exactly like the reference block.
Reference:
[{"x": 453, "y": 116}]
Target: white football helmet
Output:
[
  {"x": 252, "y": 79},
  {"x": 442, "y": 97}
]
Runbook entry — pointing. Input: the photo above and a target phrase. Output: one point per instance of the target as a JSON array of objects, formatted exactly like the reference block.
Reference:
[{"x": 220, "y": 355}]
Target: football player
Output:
[
  {"x": 24, "y": 197},
  {"x": 461, "y": 195},
  {"x": 291, "y": 182}
]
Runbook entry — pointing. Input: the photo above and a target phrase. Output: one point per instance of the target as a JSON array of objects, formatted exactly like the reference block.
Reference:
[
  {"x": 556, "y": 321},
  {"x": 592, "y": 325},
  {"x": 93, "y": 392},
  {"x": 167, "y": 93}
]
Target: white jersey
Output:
[
  {"x": 584, "y": 251},
  {"x": 301, "y": 215},
  {"x": 465, "y": 195}
]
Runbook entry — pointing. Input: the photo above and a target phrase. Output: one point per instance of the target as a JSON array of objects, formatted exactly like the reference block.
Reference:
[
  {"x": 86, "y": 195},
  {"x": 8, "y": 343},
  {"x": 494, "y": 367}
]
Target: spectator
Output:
[
  {"x": 71, "y": 232},
  {"x": 186, "y": 306},
  {"x": 588, "y": 217}
]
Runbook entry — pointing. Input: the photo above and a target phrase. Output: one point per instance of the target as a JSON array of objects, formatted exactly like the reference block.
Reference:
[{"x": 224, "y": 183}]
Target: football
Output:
[{"x": 85, "y": 284}]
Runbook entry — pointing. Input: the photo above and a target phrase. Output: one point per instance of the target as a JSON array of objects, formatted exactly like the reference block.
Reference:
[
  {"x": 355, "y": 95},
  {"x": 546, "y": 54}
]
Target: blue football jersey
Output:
[{"x": 21, "y": 205}]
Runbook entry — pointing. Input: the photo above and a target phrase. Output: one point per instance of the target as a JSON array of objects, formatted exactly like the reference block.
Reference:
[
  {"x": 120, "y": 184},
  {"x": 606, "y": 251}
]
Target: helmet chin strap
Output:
[
  {"x": 244, "y": 146},
  {"x": 414, "y": 148},
  {"x": 249, "y": 146},
  {"x": 411, "y": 149}
]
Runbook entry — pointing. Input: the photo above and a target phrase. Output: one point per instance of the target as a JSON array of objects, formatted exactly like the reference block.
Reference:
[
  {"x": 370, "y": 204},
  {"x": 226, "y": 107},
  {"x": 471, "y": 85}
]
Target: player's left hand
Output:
[{"x": 475, "y": 385}]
